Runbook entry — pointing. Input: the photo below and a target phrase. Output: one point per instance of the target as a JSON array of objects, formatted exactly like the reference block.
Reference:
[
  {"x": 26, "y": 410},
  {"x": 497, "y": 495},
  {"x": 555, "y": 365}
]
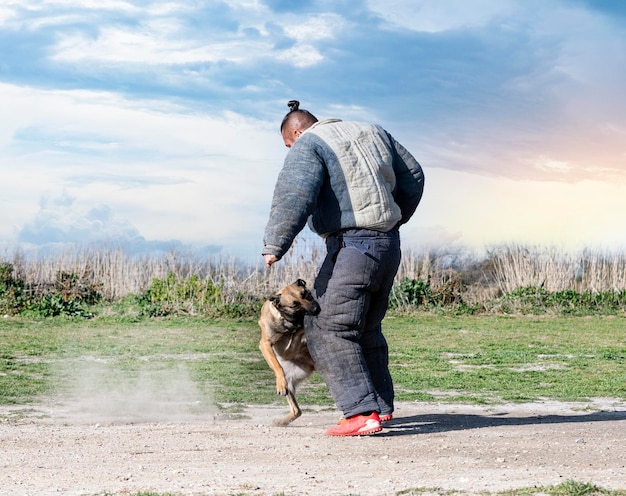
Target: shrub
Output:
[
  {"x": 538, "y": 300},
  {"x": 510, "y": 279},
  {"x": 413, "y": 292},
  {"x": 12, "y": 291},
  {"x": 174, "y": 294},
  {"x": 69, "y": 295},
  {"x": 72, "y": 287},
  {"x": 55, "y": 305},
  {"x": 416, "y": 292}
]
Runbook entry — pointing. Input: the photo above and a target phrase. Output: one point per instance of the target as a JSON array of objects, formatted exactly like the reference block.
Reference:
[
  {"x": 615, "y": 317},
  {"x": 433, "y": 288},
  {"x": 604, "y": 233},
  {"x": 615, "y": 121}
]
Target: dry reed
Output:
[
  {"x": 555, "y": 270},
  {"x": 500, "y": 270}
]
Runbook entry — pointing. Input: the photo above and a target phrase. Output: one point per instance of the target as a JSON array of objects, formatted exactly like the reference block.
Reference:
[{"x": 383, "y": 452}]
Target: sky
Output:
[{"x": 156, "y": 123}]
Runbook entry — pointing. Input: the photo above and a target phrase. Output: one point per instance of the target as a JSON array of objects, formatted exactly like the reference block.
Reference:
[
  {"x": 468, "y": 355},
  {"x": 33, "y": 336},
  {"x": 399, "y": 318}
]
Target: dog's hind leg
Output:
[
  {"x": 294, "y": 409},
  {"x": 295, "y": 373}
]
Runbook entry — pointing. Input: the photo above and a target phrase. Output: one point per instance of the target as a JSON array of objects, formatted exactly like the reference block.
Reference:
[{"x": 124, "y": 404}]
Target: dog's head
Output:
[{"x": 295, "y": 301}]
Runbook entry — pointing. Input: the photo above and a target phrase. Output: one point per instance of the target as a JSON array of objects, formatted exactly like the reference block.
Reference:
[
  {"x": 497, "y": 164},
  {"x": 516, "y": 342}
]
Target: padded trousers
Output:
[{"x": 346, "y": 340}]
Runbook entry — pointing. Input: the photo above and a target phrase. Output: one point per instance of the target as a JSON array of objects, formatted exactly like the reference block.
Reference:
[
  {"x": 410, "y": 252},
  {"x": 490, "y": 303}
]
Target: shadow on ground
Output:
[{"x": 446, "y": 422}]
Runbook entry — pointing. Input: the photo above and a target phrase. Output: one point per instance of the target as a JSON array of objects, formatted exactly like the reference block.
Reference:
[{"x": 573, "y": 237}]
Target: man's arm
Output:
[
  {"x": 295, "y": 197},
  {"x": 409, "y": 180}
]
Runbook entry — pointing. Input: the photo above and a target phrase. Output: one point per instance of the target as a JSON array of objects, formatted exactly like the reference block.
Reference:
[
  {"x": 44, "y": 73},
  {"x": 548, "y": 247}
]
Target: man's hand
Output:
[{"x": 270, "y": 259}]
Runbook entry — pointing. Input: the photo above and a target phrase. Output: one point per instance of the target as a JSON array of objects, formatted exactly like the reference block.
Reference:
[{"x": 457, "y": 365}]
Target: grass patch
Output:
[
  {"x": 567, "y": 488},
  {"x": 432, "y": 358},
  {"x": 495, "y": 359}
]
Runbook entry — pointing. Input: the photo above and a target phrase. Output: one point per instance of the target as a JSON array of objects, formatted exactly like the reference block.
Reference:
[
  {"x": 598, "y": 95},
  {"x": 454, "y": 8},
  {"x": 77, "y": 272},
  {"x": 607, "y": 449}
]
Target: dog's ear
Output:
[
  {"x": 275, "y": 299},
  {"x": 301, "y": 283}
]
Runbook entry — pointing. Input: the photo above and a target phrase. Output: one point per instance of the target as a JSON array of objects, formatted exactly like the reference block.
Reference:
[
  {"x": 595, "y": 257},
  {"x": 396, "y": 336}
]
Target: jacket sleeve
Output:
[
  {"x": 295, "y": 197},
  {"x": 409, "y": 180}
]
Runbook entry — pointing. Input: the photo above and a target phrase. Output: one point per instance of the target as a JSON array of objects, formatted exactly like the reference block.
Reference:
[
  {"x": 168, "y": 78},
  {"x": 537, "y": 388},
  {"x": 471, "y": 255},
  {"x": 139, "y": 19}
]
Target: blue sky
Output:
[{"x": 156, "y": 122}]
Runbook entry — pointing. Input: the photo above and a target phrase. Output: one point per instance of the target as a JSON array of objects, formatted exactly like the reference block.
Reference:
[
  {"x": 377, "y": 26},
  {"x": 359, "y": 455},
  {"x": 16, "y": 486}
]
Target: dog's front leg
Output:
[{"x": 268, "y": 353}]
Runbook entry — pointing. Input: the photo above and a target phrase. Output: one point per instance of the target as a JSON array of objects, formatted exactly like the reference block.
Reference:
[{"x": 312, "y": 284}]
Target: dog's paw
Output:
[
  {"x": 283, "y": 422},
  {"x": 281, "y": 387}
]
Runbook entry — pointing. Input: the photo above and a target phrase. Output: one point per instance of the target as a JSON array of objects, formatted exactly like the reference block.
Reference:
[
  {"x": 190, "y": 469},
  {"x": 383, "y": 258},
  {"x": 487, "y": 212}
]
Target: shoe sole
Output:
[{"x": 367, "y": 432}]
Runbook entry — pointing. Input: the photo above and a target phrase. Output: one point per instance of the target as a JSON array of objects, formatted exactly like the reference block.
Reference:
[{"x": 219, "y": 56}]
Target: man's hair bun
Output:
[{"x": 297, "y": 115}]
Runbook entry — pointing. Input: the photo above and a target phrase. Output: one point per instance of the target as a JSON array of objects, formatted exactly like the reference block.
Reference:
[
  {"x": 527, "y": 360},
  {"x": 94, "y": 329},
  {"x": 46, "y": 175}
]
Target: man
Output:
[{"x": 355, "y": 185}]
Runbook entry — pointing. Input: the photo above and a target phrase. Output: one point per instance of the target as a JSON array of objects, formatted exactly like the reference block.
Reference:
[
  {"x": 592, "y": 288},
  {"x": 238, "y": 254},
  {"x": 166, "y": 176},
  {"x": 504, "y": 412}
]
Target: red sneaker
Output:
[
  {"x": 385, "y": 418},
  {"x": 358, "y": 425}
]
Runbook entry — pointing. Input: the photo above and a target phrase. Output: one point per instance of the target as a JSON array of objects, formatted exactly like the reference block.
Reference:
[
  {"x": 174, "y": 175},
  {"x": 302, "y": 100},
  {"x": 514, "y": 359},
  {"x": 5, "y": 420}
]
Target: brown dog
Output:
[{"x": 283, "y": 343}]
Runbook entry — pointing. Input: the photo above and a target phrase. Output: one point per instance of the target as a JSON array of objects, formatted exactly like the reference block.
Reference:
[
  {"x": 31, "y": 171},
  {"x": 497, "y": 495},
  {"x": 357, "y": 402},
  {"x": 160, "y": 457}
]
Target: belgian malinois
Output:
[{"x": 283, "y": 343}]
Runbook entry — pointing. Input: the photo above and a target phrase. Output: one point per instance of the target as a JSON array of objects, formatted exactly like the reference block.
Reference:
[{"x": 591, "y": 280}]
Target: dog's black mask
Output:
[{"x": 296, "y": 302}]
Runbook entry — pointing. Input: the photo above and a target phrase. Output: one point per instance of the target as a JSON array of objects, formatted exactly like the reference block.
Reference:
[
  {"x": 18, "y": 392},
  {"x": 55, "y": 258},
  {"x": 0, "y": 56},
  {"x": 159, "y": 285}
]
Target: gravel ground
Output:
[{"x": 65, "y": 449}]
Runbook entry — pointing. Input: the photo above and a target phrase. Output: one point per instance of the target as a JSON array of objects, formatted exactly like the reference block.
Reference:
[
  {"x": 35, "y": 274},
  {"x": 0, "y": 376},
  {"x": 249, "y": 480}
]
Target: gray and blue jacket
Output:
[{"x": 342, "y": 175}]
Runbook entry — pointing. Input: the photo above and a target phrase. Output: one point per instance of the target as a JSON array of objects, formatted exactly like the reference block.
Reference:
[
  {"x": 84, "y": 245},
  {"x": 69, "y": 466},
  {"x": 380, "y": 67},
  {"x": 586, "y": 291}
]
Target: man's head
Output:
[{"x": 295, "y": 123}]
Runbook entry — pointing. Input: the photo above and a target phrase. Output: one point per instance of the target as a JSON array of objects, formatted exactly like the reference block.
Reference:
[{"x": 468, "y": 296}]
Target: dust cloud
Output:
[{"x": 94, "y": 390}]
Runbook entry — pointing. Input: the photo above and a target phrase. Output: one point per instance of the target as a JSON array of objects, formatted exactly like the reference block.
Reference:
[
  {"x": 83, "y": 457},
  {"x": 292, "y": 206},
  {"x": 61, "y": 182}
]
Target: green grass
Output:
[
  {"x": 567, "y": 488},
  {"x": 495, "y": 359},
  {"x": 442, "y": 358}
]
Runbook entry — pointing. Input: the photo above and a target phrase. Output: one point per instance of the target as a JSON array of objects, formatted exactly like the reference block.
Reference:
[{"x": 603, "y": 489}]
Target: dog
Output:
[{"x": 283, "y": 343}]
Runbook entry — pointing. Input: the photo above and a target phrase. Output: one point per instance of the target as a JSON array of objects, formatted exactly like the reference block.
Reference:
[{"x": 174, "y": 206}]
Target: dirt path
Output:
[{"x": 53, "y": 450}]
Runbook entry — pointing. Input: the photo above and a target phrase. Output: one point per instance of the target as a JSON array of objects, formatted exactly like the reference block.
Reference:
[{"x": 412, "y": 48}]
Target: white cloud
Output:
[
  {"x": 306, "y": 33},
  {"x": 301, "y": 55},
  {"x": 169, "y": 173},
  {"x": 549, "y": 165},
  {"x": 82, "y": 4},
  {"x": 162, "y": 39},
  {"x": 485, "y": 211},
  {"x": 62, "y": 220},
  {"x": 152, "y": 45},
  {"x": 442, "y": 15},
  {"x": 518, "y": 92},
  {"x": 313, "y": 28},
  {"x": 6, "y": 14},
  {"x": 147, "y": 125}
]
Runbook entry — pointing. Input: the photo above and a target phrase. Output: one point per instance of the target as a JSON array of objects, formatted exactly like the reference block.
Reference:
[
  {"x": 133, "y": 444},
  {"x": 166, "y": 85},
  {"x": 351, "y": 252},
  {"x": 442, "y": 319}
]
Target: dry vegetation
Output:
[{"x": 445, "y": 276}]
